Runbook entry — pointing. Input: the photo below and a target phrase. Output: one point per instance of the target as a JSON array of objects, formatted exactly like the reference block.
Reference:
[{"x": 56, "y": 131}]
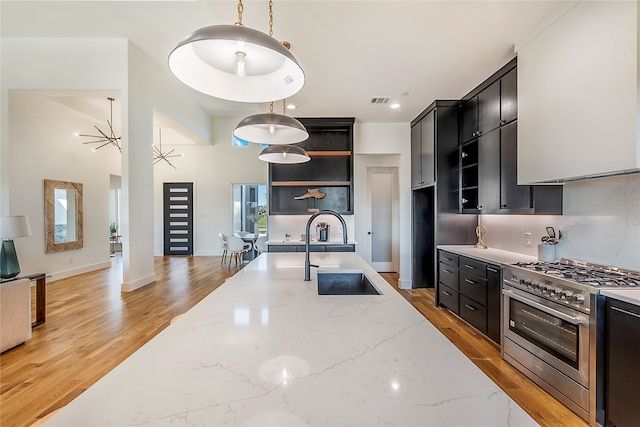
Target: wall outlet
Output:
[{"x": 527, "y": 239}]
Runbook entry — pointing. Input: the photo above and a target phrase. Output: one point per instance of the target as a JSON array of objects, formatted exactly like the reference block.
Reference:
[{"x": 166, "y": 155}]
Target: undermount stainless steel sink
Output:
[{"x": 345, "y": 283}]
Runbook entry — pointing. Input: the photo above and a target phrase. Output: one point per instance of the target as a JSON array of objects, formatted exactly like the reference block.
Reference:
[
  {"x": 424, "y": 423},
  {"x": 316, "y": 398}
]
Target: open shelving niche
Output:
[{"x": 330, "y": 170}]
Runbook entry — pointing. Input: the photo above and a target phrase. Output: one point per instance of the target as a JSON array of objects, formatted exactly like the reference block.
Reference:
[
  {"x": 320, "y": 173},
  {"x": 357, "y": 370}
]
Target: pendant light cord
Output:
[
  {"x": 240, "y": 10},
  {"x": 271, "y": 18}
]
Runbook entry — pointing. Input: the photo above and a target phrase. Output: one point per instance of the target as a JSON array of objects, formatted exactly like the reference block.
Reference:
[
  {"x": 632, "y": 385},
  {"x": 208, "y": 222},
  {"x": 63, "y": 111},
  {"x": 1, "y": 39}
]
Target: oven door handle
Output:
[{"x": 542, "y": 307}]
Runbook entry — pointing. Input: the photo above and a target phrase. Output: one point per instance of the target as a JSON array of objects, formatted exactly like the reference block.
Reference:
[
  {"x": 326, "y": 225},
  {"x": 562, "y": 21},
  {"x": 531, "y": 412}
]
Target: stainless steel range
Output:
[{"x": 553, "y": 324}]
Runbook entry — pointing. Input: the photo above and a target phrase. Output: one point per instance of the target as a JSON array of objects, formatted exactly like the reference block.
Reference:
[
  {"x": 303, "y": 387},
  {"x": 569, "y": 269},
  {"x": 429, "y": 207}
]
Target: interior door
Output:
[
  {"x": 178, "y": 218},
  {"x": 382, "y": 206}
]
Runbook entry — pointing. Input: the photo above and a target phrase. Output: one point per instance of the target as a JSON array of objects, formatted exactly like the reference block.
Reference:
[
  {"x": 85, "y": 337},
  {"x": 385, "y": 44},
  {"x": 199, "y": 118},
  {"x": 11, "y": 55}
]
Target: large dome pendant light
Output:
[
  {"x": 271, "y": 128},
  {"x": 237, "y": 63},
  {"x": 284, "y": 154}
]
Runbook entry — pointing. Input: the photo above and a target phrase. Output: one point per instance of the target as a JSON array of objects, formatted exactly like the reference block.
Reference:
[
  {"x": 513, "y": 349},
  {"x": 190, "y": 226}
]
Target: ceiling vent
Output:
[{"x": 380, "y": 100}]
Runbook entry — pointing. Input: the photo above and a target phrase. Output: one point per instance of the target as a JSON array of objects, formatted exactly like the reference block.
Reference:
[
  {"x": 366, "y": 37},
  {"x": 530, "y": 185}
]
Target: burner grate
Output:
[{"x": 591, "y": 274}]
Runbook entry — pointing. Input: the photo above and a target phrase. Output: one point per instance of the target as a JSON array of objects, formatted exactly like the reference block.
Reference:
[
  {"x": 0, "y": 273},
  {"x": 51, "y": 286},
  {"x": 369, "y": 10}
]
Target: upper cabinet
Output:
[
  {"x": 578, "y": 95},
  {"x": 330, "y": 170},
  {"x": 423, "y": 135},
  {"x": 488, "y": 155}
]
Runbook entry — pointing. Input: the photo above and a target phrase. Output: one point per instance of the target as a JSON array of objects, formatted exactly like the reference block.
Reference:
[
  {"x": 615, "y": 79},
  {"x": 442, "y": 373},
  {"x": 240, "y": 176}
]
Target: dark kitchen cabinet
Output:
[
  {"x": 622, "y": 391},
  {"x": 435, "y": 206},
  {"x": 481, "y": 113},
  {"x": 316, "y": 247},
  {"x": 423, "y": 162},
  {"x": 471, "y": 289},
  {"x": 488, "y": 153},
  {"x": 330, "y": 170},
  {"x": 509, "y": 97}
]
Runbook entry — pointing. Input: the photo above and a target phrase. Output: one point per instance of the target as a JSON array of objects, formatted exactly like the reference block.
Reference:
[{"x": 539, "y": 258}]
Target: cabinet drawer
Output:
[
  {"x": 312, "y": 248},
  {"x": 473, "y": 286},
  {"x": 478, "y": 268},
  {"x": 448, "y": 258},
  {"x": 448, "y": 298},
  {"x": 448, "y": 275},
  {"x": 473, "y": 313},
  {"x": 340, "y": 248}
]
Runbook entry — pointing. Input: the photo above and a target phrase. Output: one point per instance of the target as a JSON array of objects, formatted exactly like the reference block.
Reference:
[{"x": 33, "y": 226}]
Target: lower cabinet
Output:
[
  {"x": 471, "y": 289},
  {"x": 313, "y": 248},
  {"x": 622, "y": 388}
]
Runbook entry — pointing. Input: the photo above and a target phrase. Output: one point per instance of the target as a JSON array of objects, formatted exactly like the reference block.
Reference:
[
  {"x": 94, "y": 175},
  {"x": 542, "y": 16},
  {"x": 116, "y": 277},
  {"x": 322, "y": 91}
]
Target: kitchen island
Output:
[{"x": 265, "y": 349}]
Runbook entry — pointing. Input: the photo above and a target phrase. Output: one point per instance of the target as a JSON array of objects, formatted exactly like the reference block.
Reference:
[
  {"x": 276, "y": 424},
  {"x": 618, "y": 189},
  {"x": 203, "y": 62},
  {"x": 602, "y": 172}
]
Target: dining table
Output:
[{"x": 249, "y": 238}]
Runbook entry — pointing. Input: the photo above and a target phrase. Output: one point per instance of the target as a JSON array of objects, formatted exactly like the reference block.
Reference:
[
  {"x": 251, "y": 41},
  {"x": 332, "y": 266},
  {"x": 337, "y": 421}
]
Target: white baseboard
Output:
[
  {"x": 75, "y": 271},
  {"x": 404, "y": 284},
  {"x": 136, "y": 284}
]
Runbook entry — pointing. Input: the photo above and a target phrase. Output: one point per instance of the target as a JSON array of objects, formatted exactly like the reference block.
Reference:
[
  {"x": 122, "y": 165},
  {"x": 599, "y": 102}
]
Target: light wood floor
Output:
[{"x": 91, "y": 327}]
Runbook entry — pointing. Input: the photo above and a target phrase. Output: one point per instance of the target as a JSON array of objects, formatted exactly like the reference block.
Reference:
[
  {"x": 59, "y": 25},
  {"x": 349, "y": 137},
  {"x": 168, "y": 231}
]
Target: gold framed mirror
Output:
[{"x": 63, "y": 215}]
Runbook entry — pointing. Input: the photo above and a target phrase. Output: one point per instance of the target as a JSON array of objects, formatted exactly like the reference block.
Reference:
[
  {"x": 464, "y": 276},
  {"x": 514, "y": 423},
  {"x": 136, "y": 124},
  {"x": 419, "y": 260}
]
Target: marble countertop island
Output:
[{"x": 264, "y": 349}]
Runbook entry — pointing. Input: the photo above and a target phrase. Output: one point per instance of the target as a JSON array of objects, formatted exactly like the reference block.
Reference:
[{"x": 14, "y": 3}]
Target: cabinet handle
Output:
[
  {"x": 471, "y": 282},
  {"x": 464, "y": 201},
  {"x": 470, "y": 307},
  {"x": 448, "y": 259},
  {"x": 625, "y": 312},
  {"x": 446, "y": 293},
  {"x": 473, "y": 134},
  {"x": 470, "y": 266},
  {"x": 479, "y": 133},
  {"x": 479, "y": 206},
  {"x": 503, "y": 122},
  {"x": 493, "y": 270},
  {"x": 503, "y": 206},
  {"x": 446, "y": 271},
  {"x": 464, "y": 155}
]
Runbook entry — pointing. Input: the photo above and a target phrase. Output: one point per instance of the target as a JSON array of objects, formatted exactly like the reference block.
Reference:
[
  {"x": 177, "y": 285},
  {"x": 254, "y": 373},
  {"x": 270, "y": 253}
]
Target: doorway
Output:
[
  {"x": 383, "y": 207},
  {"x": 178, "y": 218}
]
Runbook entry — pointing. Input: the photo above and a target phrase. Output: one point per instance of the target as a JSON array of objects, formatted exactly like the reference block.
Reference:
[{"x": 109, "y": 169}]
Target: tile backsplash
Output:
[
  {"x": 295, "y": 225},
  {"x": 600, "y": 224}
]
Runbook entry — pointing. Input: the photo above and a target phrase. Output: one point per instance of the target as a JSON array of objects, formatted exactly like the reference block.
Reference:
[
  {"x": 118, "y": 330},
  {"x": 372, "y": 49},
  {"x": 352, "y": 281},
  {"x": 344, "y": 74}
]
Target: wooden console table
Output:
[{"x": 41, "y": 297}]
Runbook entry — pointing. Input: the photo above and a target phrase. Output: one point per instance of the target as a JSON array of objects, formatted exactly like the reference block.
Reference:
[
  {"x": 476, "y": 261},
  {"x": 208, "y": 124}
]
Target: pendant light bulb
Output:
[
  {"x": 272, "y": 129},
  {"x": 284, "y": 155},
  {"x": 241, "y": 71}
]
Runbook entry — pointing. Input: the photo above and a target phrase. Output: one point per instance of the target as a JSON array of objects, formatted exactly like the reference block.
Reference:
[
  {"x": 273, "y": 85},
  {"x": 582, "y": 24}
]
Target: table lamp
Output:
[{"x": 11, "y": 227}]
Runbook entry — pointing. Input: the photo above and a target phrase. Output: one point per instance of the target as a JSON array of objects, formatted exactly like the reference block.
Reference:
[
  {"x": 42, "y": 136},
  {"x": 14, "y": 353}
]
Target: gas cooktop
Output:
[{"x": 584, "y": 273}]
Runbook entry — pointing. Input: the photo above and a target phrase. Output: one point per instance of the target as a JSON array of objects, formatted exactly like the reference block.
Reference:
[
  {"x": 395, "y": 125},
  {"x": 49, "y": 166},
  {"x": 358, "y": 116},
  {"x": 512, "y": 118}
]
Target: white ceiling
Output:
[{"x": 351, "y": 51}]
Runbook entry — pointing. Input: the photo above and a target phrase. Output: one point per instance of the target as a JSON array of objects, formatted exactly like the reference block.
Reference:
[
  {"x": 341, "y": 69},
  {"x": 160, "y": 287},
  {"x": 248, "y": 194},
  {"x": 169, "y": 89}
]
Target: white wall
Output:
[
  {"x": 44, "y": 146},
  {"x": 388, "y": 145},
  {"x": 90, "y": 65},
  {"x": 213, "y": 169},
  {"x": 600, "y": 224}
]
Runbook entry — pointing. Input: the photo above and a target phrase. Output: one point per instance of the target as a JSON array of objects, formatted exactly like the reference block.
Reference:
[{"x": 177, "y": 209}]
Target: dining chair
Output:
[
  {"x": 261, "y": 244},
  {"x": 225, "y": 247},
  {"x": 237, "y": 247}
]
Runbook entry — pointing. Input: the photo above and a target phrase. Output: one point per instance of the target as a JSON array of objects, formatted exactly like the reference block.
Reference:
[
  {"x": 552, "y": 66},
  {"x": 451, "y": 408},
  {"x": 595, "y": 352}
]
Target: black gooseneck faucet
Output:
[{"x": 307, "y": 263}]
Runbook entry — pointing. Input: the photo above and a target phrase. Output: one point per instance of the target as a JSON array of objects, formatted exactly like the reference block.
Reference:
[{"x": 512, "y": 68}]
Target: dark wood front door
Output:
[{"x": 178, "y": 218}]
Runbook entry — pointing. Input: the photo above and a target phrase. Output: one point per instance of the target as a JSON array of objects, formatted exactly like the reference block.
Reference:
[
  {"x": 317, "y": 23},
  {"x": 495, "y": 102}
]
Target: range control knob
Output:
[
  {"x": 545, "y": 289},
  {"x": 536, "y": 287},
  {"x": 577, "y": 299},
  {"x": 554, "y": 292},
  {"x": 565, "y": 295}
]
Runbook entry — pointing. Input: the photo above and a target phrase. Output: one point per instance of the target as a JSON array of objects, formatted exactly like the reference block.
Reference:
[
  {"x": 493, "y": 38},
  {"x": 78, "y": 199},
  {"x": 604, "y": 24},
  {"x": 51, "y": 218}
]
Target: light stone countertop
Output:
[
  {"x": 632, "y": 296},
  {"x": 265, "y": 350},
  {"x": 497, "y": 256}
]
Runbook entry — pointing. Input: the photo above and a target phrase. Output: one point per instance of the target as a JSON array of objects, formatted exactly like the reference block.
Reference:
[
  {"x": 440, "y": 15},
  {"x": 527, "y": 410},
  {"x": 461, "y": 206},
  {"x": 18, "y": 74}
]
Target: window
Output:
[{"x": 250, "y": 208}]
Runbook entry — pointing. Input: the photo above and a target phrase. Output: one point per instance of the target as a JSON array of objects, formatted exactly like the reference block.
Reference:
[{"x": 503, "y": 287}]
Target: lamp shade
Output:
[
  {"x": 284, "y": 154},
  {"x": 14, "y": 226},
  {"x": 271, "y": 128},
  {"x": 236, "y": 63}
]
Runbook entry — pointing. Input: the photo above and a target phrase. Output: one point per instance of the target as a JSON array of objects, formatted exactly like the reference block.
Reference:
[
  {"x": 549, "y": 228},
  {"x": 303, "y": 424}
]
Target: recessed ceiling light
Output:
[
  {"x": 394, "y": 105},
  {"x": 291, "y": 106}
]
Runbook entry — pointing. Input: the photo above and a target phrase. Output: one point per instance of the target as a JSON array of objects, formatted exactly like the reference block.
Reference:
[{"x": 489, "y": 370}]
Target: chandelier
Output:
[
  {"x": 105, "y": 138},
  {"x": 158, "y": 155}
]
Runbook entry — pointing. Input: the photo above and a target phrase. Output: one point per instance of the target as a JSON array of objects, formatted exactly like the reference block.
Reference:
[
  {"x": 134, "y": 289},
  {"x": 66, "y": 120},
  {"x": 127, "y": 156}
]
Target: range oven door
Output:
[{"x": 553, "y": 333}]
